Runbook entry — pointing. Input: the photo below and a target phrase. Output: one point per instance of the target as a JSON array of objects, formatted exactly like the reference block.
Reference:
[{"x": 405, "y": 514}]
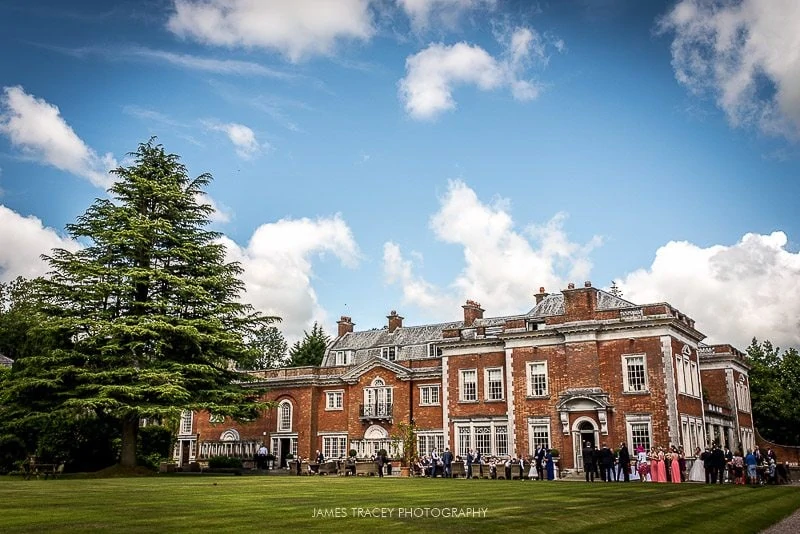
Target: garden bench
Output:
[
  {"x": 46, "y": 470},
  {"x": 366, "y": 469}
]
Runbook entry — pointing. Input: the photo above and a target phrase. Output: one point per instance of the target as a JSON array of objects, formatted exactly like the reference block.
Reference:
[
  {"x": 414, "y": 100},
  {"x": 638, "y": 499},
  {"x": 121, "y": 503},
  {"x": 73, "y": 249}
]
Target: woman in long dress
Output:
[
  {"x": 551, "y": 468},
  {"x": 662, "y": 466},
  {"x": 654, "y": 471},
  {"x": 676, "y": 466},
  {"x": 698, "y": 471}
]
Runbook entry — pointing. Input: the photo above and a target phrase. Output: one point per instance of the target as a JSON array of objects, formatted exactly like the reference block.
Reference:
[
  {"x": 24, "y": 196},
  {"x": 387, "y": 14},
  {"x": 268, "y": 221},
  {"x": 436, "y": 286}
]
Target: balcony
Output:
[{"x": 375, "y": 411}]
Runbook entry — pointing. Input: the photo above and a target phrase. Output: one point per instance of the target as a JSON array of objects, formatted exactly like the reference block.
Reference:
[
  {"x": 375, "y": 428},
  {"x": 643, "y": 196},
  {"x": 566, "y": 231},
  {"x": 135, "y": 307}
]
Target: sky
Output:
[{"x": 377, "y": 155}]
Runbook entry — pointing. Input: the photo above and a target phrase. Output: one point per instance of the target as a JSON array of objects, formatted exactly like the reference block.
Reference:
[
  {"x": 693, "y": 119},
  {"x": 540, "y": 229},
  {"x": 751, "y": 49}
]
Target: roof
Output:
[{"x": 5, "y": 361}]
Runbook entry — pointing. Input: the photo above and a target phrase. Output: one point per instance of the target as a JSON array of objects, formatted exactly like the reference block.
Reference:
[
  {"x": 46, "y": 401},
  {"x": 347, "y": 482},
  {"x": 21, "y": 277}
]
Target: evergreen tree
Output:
[
  {"x": 145, "y": 319},
  {"x": 311, "y": 349},
  {"x": 774, "y": 390},
  {"x": 269, "y": 349}
]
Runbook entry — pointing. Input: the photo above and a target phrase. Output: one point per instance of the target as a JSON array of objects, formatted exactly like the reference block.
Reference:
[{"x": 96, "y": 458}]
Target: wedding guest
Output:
[
  {"x": 624, "y": 460},
  {"x": 698, "y": 471},
  {"x": 588, "y": 461},
  {"x": 550, "y": 465},
  {"x": 676, "y": 466},
  {"x": 655, "y": 471},
  {"x": 642, "y": 464}
]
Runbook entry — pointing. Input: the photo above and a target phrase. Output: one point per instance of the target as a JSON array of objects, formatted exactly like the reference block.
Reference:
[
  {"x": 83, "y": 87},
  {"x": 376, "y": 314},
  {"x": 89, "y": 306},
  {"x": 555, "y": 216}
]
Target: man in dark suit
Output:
[
  {"x": 588, "y": 461},
  {"x": 718, "y": 464},
  {"x": 625, "y": 462},
  {"x": 470, "y": 458},
  {"x": 540, "y": 454},
  {"x": 380, "y": 459},
  {"x": 447, "y": 461},
  {"x": 705, "y": 456},
  {"x": 606, "y": 463}
]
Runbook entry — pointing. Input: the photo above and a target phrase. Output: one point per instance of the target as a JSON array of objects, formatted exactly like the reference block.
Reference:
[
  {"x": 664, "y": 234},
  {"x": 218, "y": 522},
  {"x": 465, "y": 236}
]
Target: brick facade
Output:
[{"x": 581, "y": 365}]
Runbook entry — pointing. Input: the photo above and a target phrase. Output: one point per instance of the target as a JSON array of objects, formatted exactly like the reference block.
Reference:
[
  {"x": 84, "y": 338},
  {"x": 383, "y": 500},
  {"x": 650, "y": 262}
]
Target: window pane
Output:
[
  {"x": 538, "y": 378},
  {"x": 637, "y": 378}
]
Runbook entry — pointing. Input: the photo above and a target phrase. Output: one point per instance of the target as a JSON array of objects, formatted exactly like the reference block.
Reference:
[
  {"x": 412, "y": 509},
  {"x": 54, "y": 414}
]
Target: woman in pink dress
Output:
[
  {"x": 654, "y": 463},
  {"x": 662, "y": 466},
  {"x": 676, "y": 466}
]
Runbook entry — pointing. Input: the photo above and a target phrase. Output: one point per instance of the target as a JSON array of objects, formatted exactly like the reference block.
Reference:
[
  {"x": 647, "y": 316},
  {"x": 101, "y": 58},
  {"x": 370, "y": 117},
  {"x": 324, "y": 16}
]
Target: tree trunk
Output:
[{"x": 130, "y": 429}]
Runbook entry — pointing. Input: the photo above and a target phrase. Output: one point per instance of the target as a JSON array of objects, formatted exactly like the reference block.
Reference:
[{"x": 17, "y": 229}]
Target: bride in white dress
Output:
[{"x": 698, "y": 471}]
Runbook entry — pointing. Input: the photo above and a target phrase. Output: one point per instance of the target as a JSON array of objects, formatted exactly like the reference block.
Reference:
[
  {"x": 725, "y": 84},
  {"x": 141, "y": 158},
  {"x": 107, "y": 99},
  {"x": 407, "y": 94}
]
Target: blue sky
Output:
[{"x": 371, "y": 155}]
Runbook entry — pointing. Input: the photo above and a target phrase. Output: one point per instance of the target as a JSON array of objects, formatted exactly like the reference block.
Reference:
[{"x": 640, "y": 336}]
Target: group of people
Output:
[
  {"x": 539, "y": 466},
  {"x": 606, "y": 464},
  {"x": 718, "y": 465}
]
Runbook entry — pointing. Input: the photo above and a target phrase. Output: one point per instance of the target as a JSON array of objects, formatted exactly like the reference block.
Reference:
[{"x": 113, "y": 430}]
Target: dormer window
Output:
[
  {"x": 341, "y": 357},
  {"x": 389, "y": 353},
  {"x": 434, "y": 351}
]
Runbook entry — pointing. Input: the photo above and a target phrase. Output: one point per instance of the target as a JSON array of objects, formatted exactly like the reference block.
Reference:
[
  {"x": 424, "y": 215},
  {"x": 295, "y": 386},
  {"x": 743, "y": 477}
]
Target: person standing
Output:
[
  {"x": 479, "y": 461},
  {"x": 625, "y": 462},
  {"x": 380, "y": 459},
  {"x": 588, "y": 461},
  {"x": 447, "y": 463},
  {"x": 550, "y": 466},
  {"x": 675, "y": 466},
  {"x": 539, "y": 458},
  {"x": 717, "y": 464},
  {"x": 606, "y": 463},
  {"x": 261, "y": 456},
  {"x": 470, "y": 458}
]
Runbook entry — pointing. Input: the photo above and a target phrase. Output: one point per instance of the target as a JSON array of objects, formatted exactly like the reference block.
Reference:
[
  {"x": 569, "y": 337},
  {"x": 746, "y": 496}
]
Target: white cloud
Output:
[
  {"x": 217, "y": 66},
  {"x": 22, "y": 241},
  {"x": 447, "y": 12},
  {"x": 278, "y": 268},
  {"x": 502, "y": 265},
  {"x": 242, "y": 137},
  {"x": 745, "y": 54},
  {"x": 433, "y": 73},
  {"x": 297, "y": 29},
  {"x": 36, "y": 128},
  {"x": 733, "y": 292}
]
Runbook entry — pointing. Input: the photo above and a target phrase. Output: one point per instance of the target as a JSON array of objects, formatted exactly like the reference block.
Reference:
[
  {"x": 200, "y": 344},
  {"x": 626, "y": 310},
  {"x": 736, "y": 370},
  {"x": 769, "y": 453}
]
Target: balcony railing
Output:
[{"x": 377, "y": 410}]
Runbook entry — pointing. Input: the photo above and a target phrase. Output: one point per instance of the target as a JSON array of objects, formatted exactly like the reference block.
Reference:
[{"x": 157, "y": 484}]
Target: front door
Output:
[
  {"x": 285, "y": 448},
  {"x": 585, "y": 431},
  {"x": 185, "y": 444}
]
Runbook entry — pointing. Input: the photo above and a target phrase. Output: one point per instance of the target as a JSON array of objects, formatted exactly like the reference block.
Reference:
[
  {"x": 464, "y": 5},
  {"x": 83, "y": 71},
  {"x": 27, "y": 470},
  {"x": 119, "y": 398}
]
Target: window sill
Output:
[
  {"x": 537, "y": 397},
  {"x": 334, "y": 409},
  {"x": 645, "y": 392},
  {"x": 490, "y": 401},
  {"x": 468, "y": 401},
  {"x": 431, "y": 404}
]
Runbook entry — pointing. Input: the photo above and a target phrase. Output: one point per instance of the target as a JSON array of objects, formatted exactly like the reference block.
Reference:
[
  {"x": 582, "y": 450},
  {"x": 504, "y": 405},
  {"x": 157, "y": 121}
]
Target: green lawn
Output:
[{"x": 256, "y": 504}]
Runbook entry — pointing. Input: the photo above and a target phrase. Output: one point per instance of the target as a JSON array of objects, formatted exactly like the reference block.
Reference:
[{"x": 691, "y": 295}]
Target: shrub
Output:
[
  {"x": 352, "y": 453},
  {"x": 554, "y": 453},
  {"x": 221, "y": 462}
]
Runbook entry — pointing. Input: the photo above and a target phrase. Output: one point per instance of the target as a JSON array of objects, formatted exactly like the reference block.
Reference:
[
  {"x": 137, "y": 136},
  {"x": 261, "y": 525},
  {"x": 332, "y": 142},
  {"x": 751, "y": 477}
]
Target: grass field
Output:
[{"x": 262, "y": 504}]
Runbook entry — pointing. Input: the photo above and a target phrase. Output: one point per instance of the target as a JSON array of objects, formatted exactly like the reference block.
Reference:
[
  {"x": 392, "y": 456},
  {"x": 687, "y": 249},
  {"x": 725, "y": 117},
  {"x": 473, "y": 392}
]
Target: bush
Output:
[
  {"x": 221, "y": 462},
  {"x": 153, "y": 445},
  {"x": 352, "y": 453},
  {"x": 554, "y": 453},
  {"x": 12, "y": 451}
]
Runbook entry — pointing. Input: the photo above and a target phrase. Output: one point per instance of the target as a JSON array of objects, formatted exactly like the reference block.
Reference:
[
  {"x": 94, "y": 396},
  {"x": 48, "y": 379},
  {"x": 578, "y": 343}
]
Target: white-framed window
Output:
[
  {"x": 493, "y": 383},
  {"x": 537, "y": 379},
  {"x": 634, "y": 372},
  {"x": 489, "y": 437},
  {"x": 692, "y": 433},
  {"x": 639, "y": 431},
  {"x": 429, "y": 395},
  {"x": 285, "y": 416},
  {"x": 695, "y": 378},
  {"x": 389, "y": 353},
  {"x": 748, "y": 439},
  {"x": 434, "y": 351},
  {"x": 681, "y": 377},
  {"x": 378, "y": 399},
  {"x": 334, "y": 400},
  {"x": 742, "y": 394},
  {"x": 334, "y": 446},
  {"x": 186, "y": 422},
  {"x": 468, "y": 385},
  {"x": 538, "y": 433},
  {"x": 427, "y": 441},
  {"x": 342, "y": 357}
]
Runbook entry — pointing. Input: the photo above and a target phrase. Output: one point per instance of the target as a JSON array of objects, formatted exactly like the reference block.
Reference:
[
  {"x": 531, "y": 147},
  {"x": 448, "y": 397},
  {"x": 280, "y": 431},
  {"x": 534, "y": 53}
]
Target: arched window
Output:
[
  {"x": 229, "y": 435},
  {"x": 285, "y": 416},
  {"x": 378, "y": 382}
]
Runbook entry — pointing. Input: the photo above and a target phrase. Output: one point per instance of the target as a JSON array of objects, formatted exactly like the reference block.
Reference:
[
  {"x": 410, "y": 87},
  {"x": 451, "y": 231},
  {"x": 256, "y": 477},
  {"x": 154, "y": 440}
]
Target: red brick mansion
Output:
[{"x": 581, "y": 365}]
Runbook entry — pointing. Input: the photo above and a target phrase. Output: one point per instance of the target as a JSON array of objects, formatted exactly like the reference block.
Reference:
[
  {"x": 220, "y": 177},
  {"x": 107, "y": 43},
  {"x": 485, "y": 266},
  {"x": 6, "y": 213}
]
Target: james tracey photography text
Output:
[{"x": 399, "y": 513}]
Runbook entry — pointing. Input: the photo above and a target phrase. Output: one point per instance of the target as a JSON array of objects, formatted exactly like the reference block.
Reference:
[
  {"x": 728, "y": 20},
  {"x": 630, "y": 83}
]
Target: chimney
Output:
[
  {"x": 395, "y": 321},
  {"x": 345, "y": 325},
  {"x": 540, "y": 295},
  {"x": 472, "y": 311},
  {"x": 570, "y": 286},
  {"x": 587, "y": 284}
]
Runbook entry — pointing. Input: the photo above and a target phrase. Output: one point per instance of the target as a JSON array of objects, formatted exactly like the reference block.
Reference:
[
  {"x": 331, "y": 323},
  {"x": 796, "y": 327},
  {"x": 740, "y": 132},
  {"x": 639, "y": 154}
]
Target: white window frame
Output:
[
  {"x": 430, "y": 388},
  {"x": 331, "y": 397},
  {"x": 187, "y": 422},
  {"x": 462, "y": 397},
  {"x": 334, "y": 446},
  {"x": 681, "y": 374},
  {"x": 466, "y": 429},
  {"x": 630, "y": 421},
  {"x": 433, "y": 350},
  {"x": 626, "y": 386},
  {"x": 283, "y": 406},
  {"x": 427, "y": 440},
  {"x": 537, "y": 424},
  {"x": 695, "y": 369},
  {"x": 389, "y": 353},
  {"x": 487, "y": 390},
  {"x": 529, "y": 378}
]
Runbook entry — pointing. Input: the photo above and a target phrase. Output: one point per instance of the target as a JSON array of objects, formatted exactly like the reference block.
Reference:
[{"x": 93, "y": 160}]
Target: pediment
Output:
[
  {"x": 585, "y": 399},
  {"x": 353, "y": 375}
]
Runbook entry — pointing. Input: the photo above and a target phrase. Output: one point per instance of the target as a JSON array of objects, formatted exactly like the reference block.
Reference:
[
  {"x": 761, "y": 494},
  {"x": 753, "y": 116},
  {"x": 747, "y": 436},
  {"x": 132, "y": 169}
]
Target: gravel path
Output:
[{"x": 790, "y": 525}]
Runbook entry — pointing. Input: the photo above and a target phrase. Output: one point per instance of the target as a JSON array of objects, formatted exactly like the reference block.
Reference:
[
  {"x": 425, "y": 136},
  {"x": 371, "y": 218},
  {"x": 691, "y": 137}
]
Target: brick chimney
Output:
[
  {"x": 472, "y": 311},
  {"x": 395, "y": 321},
  {"x": 540, "y": 295},
  {"x": 345, "y": 325}
]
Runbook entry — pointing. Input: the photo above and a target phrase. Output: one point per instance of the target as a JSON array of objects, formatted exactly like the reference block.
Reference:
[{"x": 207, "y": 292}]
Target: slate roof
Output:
[
  {"x": 5, "y": 361},
  {"x": 412, "y": 341}
]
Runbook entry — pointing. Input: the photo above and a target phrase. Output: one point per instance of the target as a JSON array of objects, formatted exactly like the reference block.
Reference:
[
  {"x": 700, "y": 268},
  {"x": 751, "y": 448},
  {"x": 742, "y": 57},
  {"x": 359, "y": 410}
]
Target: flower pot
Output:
[{"x": 405, "y": 471}]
